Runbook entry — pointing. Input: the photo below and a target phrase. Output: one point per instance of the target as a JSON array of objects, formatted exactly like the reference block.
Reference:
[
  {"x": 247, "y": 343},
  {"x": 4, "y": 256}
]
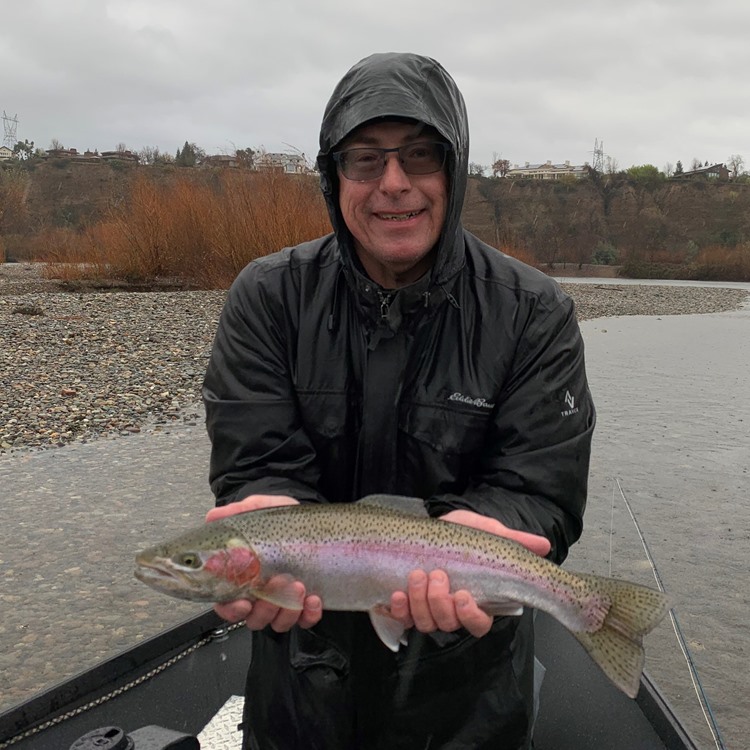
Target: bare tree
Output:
[
  {"x": 668, "y": 169},
  {"x": 55, "y": 145},
  {"x": 697, "y": 164},
  {"x": 149, "y": 155},
  {"x": 736, "y": 164},
  {"x": 500, "y": 166}
]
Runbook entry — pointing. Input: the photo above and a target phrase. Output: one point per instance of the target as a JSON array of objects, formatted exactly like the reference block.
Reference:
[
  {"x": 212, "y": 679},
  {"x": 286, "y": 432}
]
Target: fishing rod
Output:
[{"x": 708, "y": 713}]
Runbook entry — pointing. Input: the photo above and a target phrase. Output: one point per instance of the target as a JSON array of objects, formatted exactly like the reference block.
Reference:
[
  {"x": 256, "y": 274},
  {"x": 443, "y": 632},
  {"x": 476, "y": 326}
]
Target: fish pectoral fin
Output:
[
  {"x": 502, "y": 608},
  {"x": 390, "y": 630},
  {"x": 282, "y": 591}
]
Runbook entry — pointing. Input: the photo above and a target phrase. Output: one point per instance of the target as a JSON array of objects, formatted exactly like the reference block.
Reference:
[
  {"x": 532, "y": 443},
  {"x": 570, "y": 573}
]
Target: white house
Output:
[
  {"x": 547, "y": 171},
  {"x": 289, "y": 163},
  {"x": 5, "y": 153}
]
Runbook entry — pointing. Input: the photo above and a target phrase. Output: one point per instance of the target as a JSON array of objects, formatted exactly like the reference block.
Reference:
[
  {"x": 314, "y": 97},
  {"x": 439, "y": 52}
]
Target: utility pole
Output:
[
  {"x": 10, "y": 130},
  {"x": 598, "y": 160}
]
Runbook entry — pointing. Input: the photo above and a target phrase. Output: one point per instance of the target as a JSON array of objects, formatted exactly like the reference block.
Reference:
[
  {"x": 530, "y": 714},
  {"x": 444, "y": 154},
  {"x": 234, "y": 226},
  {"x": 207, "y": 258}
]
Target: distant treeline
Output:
[
  {"x": 203, "y": 226},
  {"x": 651, "y": 227}
]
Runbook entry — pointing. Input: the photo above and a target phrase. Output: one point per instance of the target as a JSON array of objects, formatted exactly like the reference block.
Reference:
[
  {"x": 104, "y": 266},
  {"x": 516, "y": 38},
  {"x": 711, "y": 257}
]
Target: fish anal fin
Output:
[
  {"x": 506, "y": 608},
  {"x": 283, "y": 591},
  {"x": 390, "y": 630}
]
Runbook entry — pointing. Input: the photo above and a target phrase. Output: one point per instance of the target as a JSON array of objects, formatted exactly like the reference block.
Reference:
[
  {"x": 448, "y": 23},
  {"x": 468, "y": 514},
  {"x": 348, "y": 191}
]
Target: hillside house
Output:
[
  {"x": 220, "y": 160},
  {"x": 60, "y": 153},
  {"x": 547, "y": 171},
  {"x": 714, "y": 172},
  {"x": 5, "y": 153},
  {"x": 288, "y": 163},
  {"x": 127, "y": 156}
]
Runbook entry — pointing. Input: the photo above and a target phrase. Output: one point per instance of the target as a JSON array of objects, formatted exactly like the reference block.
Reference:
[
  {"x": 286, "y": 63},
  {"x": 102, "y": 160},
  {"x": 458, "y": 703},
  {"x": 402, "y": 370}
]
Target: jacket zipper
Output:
[{"x": 385, "y": 304}]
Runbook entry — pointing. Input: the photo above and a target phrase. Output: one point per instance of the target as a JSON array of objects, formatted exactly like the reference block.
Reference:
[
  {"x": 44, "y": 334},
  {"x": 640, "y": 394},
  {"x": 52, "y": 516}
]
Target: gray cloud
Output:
[{"x": 656, "y": 81}]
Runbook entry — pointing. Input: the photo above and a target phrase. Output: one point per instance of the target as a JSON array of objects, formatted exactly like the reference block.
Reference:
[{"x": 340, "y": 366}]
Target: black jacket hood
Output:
[{"x": 402, "y": 85}]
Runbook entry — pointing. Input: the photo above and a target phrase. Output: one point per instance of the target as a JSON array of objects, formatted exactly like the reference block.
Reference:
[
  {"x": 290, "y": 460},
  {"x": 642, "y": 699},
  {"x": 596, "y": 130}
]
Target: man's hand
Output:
[
  {"x": 428, "y": 604},
  {"x": 251, "y": 502},
  {"x": 259, "y": 613},
  {"x": 540, "y": 545}
]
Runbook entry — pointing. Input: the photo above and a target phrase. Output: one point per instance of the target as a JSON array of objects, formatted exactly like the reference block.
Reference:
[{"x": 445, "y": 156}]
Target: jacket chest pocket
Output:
[
  {"x": 448, "y": 431},
  {"x": 441, "y": 447}
]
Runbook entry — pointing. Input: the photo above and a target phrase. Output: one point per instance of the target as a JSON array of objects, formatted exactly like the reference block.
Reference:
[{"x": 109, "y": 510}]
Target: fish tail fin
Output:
[{"x": 617, "y": 647}]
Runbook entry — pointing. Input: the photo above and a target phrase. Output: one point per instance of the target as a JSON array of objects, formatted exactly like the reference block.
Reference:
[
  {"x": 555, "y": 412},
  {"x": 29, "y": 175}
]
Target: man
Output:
[{"x": 398, "y": 355}]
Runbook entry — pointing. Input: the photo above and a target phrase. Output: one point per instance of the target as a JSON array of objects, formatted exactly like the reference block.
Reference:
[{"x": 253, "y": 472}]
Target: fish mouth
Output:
[
  {"x": 152, "y": 575},
  {"x": 172, "y": 583}
]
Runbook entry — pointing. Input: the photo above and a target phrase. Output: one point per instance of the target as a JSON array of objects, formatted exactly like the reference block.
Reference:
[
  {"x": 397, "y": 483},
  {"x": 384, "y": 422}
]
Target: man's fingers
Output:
[
  {"x": 262, "y": 614},
  {"x": 475, "y": 620},
  {"x": 536, "y": 543},
  {"x": 540, "y": 545},
  {"x": 419, "y": 606},
  {"x": 429, "y": 606},
  {"x": 285, "y": 619},
  {"x": 234, "y": 611},
  {"x": 400, "y": 609},
  {"x": 442, "y": 606},
  {"x": 251, "y": 502},
  {"x": 279, "y": 618},
  {"x": 312, "y": 612}
]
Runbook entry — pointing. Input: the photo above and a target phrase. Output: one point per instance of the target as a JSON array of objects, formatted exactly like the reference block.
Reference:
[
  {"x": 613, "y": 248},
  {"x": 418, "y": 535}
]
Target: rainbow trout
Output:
[{"x": 354, "y": 556}]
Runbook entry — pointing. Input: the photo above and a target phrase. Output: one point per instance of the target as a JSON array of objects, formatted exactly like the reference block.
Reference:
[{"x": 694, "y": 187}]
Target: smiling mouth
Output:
[{"x": 399, "y": 217}]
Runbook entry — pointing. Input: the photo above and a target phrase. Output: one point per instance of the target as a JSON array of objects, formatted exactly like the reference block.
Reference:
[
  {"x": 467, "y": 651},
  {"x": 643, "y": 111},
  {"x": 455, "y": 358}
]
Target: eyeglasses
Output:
[{"x": 363, "y": 164}]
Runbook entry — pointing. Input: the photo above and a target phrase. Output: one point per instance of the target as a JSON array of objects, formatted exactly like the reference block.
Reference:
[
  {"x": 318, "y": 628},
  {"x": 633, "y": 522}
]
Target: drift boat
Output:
[{"x": 182, "y": 690}]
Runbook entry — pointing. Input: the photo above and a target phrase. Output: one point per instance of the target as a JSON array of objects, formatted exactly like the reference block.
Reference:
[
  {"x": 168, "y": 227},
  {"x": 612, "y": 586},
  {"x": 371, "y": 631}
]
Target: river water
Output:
[{"x": 673, "y": 401}]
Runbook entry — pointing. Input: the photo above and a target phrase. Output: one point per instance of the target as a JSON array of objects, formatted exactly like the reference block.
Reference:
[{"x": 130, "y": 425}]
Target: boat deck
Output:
[{"x": 580, "y": 709}]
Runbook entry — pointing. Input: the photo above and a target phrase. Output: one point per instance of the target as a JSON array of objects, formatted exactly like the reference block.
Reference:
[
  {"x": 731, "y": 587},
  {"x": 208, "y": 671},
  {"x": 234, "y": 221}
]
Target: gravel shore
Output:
[{"x": 75, "y": 365}]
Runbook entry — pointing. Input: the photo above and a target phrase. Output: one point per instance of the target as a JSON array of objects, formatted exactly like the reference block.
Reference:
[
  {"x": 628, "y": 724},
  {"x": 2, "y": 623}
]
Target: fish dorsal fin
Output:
[
  {"x": 388, "y": 629},
  {"x": 414, "y": 506}
]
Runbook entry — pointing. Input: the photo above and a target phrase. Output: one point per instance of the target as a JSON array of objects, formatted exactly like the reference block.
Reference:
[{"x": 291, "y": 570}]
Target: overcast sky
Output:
[{"x": 543, "y": 79}]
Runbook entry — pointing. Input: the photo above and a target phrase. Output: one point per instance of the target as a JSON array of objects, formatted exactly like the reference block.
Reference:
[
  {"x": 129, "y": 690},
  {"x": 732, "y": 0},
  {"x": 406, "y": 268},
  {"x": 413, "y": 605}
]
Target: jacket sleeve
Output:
[
  {"x": 258, "y": 445},
  {"x": 533, "y": 472}
]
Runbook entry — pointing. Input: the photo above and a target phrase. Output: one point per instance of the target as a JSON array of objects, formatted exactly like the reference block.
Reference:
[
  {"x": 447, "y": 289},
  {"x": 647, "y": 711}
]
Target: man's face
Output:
[{"x": 395, "y": 219}]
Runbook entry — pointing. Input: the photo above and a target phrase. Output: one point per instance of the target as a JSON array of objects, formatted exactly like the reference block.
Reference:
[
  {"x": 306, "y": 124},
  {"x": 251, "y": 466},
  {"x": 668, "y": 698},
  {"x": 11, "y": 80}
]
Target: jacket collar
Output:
[{"x": 391, "y": 307}]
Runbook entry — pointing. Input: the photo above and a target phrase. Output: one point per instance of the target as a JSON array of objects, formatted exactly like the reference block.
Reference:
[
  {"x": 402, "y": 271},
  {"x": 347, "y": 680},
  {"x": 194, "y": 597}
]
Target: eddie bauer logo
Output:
[
  {"x": 471, "y": 401},
  {"x": 571, "y": 403}
]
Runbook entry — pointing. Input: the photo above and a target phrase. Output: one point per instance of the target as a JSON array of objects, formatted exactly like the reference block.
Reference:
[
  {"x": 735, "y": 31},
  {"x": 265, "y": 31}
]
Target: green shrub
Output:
[{"x": 605, "y": 254}]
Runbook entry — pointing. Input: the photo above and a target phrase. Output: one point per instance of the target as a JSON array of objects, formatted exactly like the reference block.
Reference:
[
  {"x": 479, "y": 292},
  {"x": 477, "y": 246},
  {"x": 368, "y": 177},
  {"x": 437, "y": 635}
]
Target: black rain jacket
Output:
[{"x": 466, "y": 389}]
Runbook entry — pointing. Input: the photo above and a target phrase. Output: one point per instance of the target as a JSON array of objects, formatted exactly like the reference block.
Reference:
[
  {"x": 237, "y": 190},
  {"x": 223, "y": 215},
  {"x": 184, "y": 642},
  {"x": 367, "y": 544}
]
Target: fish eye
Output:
[{"x": 189, "y": 560}]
